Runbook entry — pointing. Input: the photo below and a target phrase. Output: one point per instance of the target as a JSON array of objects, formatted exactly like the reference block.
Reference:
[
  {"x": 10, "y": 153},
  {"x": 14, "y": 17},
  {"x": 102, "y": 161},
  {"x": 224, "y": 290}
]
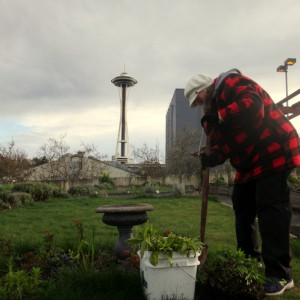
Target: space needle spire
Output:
[{"x": 123, "y": 82}]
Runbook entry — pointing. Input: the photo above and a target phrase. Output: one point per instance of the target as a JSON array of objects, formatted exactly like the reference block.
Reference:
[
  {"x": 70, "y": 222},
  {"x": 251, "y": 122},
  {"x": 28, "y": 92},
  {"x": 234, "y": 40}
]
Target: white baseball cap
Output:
[{"x": 195, "y": 85}]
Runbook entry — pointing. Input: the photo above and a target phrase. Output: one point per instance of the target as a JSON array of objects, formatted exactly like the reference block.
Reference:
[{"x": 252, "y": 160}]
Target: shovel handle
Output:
[{"x": 205, "y": 190}]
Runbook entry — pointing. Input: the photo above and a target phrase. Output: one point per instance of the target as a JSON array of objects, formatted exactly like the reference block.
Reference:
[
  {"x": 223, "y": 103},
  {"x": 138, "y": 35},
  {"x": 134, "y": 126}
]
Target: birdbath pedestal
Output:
[{"x": 124, "y": 216}]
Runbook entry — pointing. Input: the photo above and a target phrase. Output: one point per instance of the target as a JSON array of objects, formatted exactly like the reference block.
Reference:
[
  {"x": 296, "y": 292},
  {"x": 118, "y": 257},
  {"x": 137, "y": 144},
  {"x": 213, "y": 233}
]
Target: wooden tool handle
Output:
[{"x": 205, "y": 190}]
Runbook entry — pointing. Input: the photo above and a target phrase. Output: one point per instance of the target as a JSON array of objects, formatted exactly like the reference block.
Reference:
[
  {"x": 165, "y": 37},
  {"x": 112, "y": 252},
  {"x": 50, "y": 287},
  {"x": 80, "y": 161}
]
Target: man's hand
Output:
[
  {"x": 195, "y": 154},
  {"x": 209, "y": 121},
  {"x": 204, "y": 161},
  {"x": 207, "y": 160}
]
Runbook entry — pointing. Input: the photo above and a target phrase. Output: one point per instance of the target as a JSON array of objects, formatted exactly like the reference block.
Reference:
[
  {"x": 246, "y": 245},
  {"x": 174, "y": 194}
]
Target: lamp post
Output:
[{"x": 284, "y": 68}]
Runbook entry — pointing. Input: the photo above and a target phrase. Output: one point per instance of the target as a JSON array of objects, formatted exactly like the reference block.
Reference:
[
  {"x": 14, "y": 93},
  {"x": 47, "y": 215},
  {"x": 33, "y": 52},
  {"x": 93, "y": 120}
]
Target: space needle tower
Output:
[{"x": 123, "y": 82}]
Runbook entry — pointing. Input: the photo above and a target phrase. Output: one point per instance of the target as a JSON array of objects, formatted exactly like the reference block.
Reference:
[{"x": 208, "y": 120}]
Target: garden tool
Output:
[{"x": 204, "y": 193}]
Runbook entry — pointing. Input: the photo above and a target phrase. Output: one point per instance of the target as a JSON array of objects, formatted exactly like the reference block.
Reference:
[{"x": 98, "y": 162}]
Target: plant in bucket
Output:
[{"x": 168, "y": 263}]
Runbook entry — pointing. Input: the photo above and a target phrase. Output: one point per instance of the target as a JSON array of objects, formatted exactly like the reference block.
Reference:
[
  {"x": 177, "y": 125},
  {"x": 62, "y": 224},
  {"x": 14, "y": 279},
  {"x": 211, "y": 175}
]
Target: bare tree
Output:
[
  {"x": 148, "y": 160},
  {"x": 14, "y": 165},
  {"x": 62, "y": 165},
  {"x": 179, "y": 160}
]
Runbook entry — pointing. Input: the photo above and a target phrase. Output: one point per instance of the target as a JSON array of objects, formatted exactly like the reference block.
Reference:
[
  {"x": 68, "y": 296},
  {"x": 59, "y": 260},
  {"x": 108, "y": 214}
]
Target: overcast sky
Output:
[{"x": 57, "y": 59}]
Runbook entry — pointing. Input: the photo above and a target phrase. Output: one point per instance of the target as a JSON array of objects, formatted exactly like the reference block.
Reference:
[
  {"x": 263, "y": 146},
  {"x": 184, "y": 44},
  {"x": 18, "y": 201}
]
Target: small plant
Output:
[
  {"x": 19, "y": 284},
  {"x": 105, "y": 178},
  {"x": 85, "y": 250},
  {"x": 220, "y": 180},
  {"x": 294, "y": 182},
  {"x": 148, "y": 239},
  {"x": 235, "y": 275}
]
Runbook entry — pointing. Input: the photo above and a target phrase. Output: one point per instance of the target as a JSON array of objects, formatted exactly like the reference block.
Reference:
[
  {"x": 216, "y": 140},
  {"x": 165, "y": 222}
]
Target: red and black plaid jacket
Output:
[{"x": 254, "y": 134}]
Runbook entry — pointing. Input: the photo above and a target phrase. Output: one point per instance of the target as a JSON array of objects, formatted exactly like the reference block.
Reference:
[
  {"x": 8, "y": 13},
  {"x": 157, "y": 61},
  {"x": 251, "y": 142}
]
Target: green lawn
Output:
[{"x": 25, "y": 226}]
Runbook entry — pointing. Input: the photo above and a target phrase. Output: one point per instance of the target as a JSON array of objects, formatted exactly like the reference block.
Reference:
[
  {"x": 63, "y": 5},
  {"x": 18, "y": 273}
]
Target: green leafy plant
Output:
[
  {"x": 235, "y": 275},
  {"x": 148, "y": 239},
  {"x": 105, "y": 178},
  {"x": 220, "y": 180},
  {"x": 6, "y": 187},
  {"x": 85, "y": 250},
  {"x": 19, "y": 284},
  {"x": 294, "y": 182}
]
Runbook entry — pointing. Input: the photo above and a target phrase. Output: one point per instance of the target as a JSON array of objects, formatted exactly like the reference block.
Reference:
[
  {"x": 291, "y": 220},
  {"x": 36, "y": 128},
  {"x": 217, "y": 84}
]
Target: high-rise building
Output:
[{"x": 181, "y": 118}]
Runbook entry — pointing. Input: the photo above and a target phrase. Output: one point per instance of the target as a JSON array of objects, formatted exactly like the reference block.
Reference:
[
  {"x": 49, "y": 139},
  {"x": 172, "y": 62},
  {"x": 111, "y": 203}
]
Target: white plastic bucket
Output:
[{"x": 166, "y": 282}]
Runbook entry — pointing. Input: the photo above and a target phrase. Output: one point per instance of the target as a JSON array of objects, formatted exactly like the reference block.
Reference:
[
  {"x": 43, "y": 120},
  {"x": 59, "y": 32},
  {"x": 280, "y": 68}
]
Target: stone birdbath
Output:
[{"x": 125, "y": 217}]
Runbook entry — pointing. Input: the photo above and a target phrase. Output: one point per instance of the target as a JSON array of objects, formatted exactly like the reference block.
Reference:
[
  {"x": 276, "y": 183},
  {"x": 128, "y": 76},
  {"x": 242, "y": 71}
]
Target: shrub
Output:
[
  {"x": 41, "y": 191},
  {"x": 4, "y": 205},
  {"x": 220, "y": 180},
  {"x": 149, "y": 189},
  {"x": 7, "y": 187},
  {"x": 104, "y": 186},
  {"x": 235, "y": 275},
  {"x": 82, "y": 190},
  {"x": 294, "y": 182},
  {"x": 7, "y": 196},
  {"x": 178, "y": 190},
  {"x": 105, "y": 178},
  {"x": 22, "y": 197},
  {"x": 78, "y": 191},
  {"x": 24, "y": 187},
  {"x": 19, "y": 284},
  {"x": 59, "y": 193}
]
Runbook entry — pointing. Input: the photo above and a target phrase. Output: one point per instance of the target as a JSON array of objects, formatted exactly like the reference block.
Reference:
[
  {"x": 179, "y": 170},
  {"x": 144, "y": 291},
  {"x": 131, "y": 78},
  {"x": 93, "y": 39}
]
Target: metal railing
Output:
[{"x": 293, "y": 110}]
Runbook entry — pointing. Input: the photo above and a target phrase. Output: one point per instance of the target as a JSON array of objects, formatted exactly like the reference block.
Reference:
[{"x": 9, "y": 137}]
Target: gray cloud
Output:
[{"x": 57, "y": 59}]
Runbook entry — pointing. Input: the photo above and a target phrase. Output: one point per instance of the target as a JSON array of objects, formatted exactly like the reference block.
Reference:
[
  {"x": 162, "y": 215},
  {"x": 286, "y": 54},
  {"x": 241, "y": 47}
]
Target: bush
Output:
[
  {"x": 235, "y": 275},
  {"x": 24, "y": 187},
  {"x": 149, "y": 189},
  {"x": 41, "y": 191},
  {"x": 294, "y": 182},
  {"x": 8, "y": 199},
  {"x": 90, "y": 191},
  {"x": 7, "y": 187},
  {"x": 7, "y": 196},
  {"x": 104, "y": 186},
  {"x": 4, "y": 205},
  {"x": 82, "y": 190},
  {"x": 220, "y": 180},
  {"x": 59, "y": 193},
  {"x": 21, "y": 198},
  {"x": 104, "y": 178},
  {"x": 178, "y": 190}
]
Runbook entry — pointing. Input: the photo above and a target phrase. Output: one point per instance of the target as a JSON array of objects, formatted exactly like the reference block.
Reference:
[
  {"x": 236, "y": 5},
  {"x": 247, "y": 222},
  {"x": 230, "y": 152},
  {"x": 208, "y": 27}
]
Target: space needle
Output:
[{"x": 123, "y": 82}]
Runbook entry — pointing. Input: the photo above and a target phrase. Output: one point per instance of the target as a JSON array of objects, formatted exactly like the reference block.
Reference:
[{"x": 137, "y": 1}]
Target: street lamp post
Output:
[{"x": 284, "y": 68}]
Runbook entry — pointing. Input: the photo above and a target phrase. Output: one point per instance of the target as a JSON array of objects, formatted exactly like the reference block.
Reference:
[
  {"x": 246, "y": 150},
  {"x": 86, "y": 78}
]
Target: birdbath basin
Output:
[{"x": 124, "y": 217}]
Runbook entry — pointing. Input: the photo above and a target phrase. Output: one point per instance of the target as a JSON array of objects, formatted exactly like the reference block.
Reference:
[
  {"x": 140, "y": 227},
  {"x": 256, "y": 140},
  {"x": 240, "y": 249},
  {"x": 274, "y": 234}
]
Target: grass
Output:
[{"x": 25, "y": 226}]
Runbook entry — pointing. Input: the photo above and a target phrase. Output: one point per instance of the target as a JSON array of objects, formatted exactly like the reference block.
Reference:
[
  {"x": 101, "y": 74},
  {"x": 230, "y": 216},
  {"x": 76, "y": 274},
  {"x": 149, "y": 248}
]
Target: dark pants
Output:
[{"x": 268, "y": 198}]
